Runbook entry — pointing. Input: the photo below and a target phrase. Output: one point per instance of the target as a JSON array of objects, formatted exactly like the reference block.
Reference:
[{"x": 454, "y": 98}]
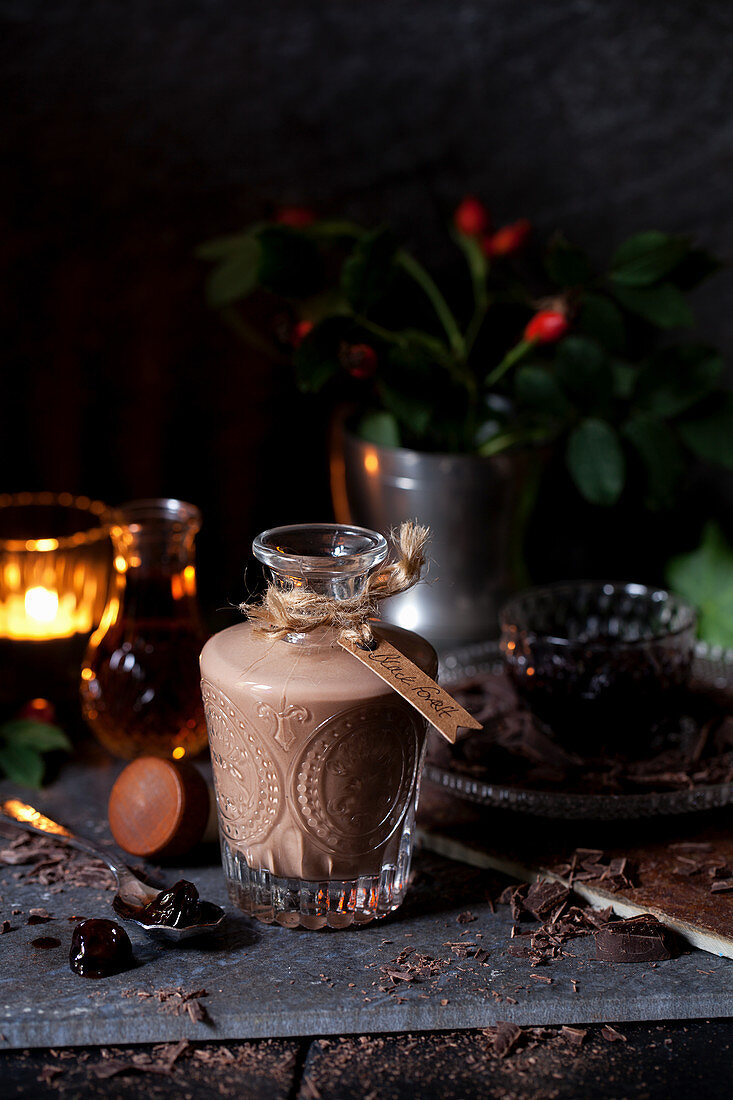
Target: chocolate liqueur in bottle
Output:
[
  {"x": 316, "y": 760},
  {"x": 139, "y": 684}
]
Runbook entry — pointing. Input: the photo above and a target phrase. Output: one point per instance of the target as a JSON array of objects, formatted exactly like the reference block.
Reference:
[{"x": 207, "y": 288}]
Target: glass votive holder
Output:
[
  {"x": 55, "y": 571},
  {"x": 598, "y": 662}
]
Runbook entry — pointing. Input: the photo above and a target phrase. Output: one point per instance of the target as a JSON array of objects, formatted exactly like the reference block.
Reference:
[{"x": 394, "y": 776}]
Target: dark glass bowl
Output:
[{"x": 599, "y": 662}]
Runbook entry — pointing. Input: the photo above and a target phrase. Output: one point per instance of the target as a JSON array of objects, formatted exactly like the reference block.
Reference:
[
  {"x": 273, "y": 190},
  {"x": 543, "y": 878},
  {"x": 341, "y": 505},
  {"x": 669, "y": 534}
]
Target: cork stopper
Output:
[{"x": 158, "y": 808}]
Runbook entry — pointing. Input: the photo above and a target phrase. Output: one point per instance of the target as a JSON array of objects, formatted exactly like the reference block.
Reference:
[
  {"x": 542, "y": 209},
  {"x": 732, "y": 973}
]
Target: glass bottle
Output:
[
  {"x": 316, "y": 760},
  {"x": 139, "y": 688}
]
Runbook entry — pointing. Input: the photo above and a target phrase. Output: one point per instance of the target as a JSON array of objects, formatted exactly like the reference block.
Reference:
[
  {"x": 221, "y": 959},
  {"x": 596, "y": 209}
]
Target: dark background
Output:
[{"x": 131, "y": 131}]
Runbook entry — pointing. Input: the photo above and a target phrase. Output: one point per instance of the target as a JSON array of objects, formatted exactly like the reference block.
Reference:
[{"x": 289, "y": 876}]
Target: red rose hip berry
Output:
[
  {"x": 360, "y": 360},
  {"x": 471, "y": 218},
  {"x": 297, "y": 217},
  {"x": 546, "y": 327},
  {"x": 508, "y": 239},
  {"x": 300, "y": 331}
]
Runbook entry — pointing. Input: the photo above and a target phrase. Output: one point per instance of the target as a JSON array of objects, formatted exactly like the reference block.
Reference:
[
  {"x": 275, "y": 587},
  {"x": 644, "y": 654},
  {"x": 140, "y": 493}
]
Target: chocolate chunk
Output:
[
  {"x": 543, "y": 897},
  {"x": 638, "y": 939},
  {"x": 575, "y": 1035},
  {"x": 504, "y": 1037}
]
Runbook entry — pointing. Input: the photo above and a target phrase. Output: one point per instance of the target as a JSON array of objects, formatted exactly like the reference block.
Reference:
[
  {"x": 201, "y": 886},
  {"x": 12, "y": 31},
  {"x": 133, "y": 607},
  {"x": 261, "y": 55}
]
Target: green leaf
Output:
[
  {"x": 236, "y": 276},
  {"x": 624, "y": 379},
  {"x": 657, "y": 447},
  {"x": 410, "y": 409},
  {"x": 368, "y": 272},
  {"x": 596, "y": 462},
  {"x": 584, "y": 373},
  {"x": 709, "y": 435},
  {"x": 221, "y": 248},
  {"x": 567, "y": 265},
  {"x": 646, "y": 258},
  {"x": 333, "y": 230},
  {"x": 676, "y": 378},
  {"x": 290, "y": 263},
  {"x": 40, "y": 736},
  {"x": 705, "y": 578},
  {"x": 664, "y": 305},
  {"x": 21, "y": 764},
  {"x": 380, "y": 428},
  {"x": 416, "y": 343},
  {"x": 537, "y": 389},
  {"x": 602, "y": 320}
]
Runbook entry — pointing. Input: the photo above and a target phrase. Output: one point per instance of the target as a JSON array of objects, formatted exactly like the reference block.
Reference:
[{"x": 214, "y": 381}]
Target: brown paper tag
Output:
[{"x": 412, "y": 684}]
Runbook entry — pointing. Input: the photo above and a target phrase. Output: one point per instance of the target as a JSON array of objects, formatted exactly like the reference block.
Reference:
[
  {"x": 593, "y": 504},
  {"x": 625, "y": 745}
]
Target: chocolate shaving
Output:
[
  {"x": 55, "y": 865},
  {"x": 566, "y": 921},
  {"x": 413, "y": 966},
  {"x": 162, "y": 1063},
  {"x": 504, "y": 1038},
  {"x": 38, "y": 916},
  {"x": 176, "y": 1001},
  {"x": 543, "y": 897},
  {"x": 611, "y": 1035}
]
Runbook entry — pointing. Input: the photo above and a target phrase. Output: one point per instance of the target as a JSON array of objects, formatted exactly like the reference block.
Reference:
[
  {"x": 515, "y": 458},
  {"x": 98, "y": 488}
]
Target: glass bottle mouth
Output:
[
  {"x": 175, "y": 514},
  {"x": 315, "y": 553}
]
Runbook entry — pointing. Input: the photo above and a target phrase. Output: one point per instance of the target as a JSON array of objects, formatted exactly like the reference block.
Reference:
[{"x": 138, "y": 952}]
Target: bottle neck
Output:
[
  {"x": 332, "y": 585},
  {"x": 156, "y": 574}
]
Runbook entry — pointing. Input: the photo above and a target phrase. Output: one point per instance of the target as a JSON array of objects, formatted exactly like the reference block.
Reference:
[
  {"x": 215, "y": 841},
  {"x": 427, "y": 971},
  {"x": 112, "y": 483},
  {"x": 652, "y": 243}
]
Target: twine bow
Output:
[{"x": 299, "y": 610}]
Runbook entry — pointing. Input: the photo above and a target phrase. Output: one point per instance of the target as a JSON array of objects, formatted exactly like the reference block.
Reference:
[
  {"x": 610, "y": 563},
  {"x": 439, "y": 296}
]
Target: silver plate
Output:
[{"x": 713, "y": 667}]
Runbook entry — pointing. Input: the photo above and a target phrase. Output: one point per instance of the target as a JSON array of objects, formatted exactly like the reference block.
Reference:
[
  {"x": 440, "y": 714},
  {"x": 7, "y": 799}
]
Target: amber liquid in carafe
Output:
[{"x": 140, "y": 681}]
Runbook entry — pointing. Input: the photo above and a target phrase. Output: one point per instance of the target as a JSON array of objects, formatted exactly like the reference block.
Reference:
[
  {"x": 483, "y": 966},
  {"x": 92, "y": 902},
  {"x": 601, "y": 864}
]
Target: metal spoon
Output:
[{"x": 132, "y": 894}]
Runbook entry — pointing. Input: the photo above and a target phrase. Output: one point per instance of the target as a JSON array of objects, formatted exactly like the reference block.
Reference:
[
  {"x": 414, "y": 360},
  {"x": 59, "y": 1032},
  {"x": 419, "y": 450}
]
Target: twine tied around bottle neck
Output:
[{"x": 299, "y": 610}]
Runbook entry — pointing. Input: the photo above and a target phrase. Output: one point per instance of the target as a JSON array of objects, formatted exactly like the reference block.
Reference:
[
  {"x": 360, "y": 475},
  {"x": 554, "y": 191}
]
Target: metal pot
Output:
[{"x": 473, "y": 507}]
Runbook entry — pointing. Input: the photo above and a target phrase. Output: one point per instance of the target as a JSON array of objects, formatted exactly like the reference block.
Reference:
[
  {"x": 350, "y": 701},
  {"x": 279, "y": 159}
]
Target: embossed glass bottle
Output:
[{"x": 316, "y": 760}]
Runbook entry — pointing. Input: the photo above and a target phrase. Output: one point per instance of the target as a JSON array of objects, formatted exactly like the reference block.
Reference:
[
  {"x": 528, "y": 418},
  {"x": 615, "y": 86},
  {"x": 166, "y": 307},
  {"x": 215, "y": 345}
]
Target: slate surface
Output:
[{"x": 267, "y": 981}]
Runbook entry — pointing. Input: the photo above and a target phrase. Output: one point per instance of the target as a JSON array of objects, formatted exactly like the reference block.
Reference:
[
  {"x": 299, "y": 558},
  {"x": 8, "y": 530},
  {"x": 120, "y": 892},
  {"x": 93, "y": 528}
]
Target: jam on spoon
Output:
[
  {"x": 100, "y": 948},
  {"x": 174, "y": 908}
]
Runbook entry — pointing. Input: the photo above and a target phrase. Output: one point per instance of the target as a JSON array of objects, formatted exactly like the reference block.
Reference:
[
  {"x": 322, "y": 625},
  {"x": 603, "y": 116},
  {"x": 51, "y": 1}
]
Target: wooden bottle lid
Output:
[{"x": 158, "y": 807}]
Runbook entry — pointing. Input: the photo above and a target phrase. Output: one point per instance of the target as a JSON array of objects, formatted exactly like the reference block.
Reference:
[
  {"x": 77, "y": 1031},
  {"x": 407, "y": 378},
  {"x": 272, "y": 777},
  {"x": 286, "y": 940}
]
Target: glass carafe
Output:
[
  {"x": 316, "y": 760},
  {"x": 139, "y": 679}
]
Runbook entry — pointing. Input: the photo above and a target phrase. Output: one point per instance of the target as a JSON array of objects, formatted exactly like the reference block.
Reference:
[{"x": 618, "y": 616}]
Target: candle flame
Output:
[{"x": 41, "y": 604}]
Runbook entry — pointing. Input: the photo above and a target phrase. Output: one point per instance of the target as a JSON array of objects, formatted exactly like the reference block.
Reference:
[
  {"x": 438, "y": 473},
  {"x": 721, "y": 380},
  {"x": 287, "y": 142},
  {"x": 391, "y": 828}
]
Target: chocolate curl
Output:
[{"x": 298, "y": 610}]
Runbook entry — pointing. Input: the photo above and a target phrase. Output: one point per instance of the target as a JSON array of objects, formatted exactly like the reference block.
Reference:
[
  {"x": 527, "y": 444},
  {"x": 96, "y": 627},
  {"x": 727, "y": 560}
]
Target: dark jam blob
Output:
[
  {"x": 100, "y": 948},
  {"x": 46, "y": 942},
  {"x": 175, "y": 908}
]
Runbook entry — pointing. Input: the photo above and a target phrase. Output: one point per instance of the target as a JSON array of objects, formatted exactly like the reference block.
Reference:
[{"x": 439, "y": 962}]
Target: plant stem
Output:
[
  {"x": 442, "y": 310},
  {"x": 478, "y": 268},
  {"x": 504, "y": 440},
  {"x": 251, "y": 336},
  {"x": 388, "y": 335},
  {"x": 512, "y": 357}
]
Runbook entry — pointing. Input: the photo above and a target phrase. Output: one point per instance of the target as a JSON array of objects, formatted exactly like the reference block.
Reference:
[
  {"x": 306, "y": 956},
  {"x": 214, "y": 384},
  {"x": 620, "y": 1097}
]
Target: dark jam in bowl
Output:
[{"x": 599, "y": 662}]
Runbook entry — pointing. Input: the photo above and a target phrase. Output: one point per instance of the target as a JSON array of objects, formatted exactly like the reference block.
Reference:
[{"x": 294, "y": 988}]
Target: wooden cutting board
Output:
[{"x": 671, "y": 863}]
